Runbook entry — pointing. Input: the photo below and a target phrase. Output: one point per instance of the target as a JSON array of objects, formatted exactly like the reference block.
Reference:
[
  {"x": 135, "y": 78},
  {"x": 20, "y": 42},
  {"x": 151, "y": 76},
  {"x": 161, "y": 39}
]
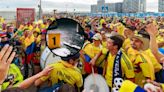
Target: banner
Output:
[{"x": 25, "y": 15}]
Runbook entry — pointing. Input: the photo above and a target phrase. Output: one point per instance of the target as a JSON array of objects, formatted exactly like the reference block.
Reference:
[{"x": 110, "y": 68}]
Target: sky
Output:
[{"x": 63, "y": 5}]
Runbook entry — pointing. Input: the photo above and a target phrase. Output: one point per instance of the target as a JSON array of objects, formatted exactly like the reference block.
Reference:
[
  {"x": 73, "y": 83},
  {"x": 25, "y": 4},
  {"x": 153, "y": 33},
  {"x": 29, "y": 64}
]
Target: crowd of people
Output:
[{"x": 128, "y": 52}]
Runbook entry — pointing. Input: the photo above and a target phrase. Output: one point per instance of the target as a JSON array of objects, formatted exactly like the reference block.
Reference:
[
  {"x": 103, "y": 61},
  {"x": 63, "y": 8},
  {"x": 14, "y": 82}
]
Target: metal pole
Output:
[{"x": 40, "y": 9}]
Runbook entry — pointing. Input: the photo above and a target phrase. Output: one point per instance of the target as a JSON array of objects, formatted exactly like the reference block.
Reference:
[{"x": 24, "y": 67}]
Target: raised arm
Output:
[
  {"x": 153, "y": 31},
  {"x": 6, "y": 57}
]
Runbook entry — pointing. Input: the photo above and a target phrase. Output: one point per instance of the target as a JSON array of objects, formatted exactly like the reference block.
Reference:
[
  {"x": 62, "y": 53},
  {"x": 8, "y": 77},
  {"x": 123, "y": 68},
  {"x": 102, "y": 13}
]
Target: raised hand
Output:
[
  {"x": 6, "y": 57},
  {"x": 152, "y": 29}
]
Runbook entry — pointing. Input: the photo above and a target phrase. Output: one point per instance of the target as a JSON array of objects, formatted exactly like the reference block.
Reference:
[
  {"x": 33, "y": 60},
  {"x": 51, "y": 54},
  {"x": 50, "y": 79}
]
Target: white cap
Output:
[{"x": 97, "y": 36}]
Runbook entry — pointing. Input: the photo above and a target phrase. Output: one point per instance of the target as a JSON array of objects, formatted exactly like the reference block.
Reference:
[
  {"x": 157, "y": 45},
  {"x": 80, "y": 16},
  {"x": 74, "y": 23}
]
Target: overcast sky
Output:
[{"x": 63, "y": 5}]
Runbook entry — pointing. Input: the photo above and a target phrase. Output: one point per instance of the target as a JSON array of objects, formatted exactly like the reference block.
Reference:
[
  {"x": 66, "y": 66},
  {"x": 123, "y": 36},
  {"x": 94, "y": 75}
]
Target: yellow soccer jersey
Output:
[
  {"x": 88, "y": 50},
  {"x": 143, "y": 67},
  {"x": 104, "y": 44},
  {"x": 126, "y": 65},
  {"x": 2, "y": 20},
  {"x": 97, "y": 50},
  {"x": 112, "y": 26},
  {"x": 92, "y": 51},
  {"x": 102, "y": 21},
  {"x": 126, "y": 44},
  {"x": 156, "y": 64},
  {"x": 63, "y": 71},
  {"x": 159, "y": 39},
  {"x": 120, "y": 29},
  {"x": 27, "y": 41}
]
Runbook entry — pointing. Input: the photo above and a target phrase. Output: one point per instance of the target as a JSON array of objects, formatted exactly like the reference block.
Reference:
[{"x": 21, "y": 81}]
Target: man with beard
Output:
[{"x": 143, "y": 66}]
